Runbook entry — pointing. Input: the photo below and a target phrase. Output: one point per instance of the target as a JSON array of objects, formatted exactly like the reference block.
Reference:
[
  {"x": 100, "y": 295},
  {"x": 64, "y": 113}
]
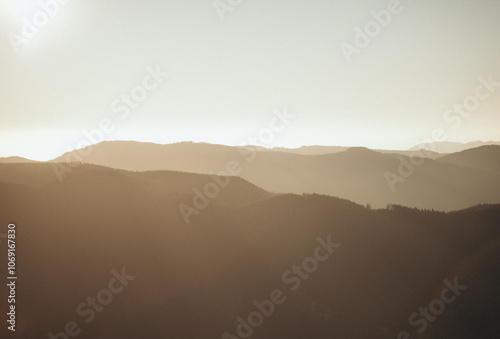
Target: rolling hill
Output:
[{"x": 485, "y": 158}]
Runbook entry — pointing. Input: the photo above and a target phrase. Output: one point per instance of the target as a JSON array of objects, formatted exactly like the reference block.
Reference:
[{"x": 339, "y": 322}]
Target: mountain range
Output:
[
  {"x": 416, "y": 179},
  {"x": 204, "y": 279}
]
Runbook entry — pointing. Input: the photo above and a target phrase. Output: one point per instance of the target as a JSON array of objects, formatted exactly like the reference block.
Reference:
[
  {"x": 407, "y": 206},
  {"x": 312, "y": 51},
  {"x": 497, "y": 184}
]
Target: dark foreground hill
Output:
[{"x": 107, "y": 254}]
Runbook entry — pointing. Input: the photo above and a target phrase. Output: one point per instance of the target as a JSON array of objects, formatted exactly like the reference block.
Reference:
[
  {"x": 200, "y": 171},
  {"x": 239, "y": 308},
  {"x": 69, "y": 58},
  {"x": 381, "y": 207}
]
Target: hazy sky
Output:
[{"x": 227, "y": 76}]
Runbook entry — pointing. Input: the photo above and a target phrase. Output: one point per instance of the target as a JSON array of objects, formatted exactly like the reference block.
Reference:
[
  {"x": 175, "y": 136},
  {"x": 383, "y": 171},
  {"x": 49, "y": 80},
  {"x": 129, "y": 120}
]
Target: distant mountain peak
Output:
[
  {"x": 453, "y": 147},
  {"x": 14, "y": 159},
  {"x": 360, "y": 150}
]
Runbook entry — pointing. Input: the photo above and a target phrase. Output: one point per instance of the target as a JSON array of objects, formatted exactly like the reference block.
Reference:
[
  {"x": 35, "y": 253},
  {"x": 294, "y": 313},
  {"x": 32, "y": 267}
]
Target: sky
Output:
[{"x": 217, "y": 71}]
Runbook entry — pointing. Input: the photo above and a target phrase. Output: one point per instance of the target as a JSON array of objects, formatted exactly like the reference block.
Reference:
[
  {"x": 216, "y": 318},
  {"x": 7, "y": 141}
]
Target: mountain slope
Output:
[
  {"x": 486, "y": 158},
  {"x": 93, "y": 180}
]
